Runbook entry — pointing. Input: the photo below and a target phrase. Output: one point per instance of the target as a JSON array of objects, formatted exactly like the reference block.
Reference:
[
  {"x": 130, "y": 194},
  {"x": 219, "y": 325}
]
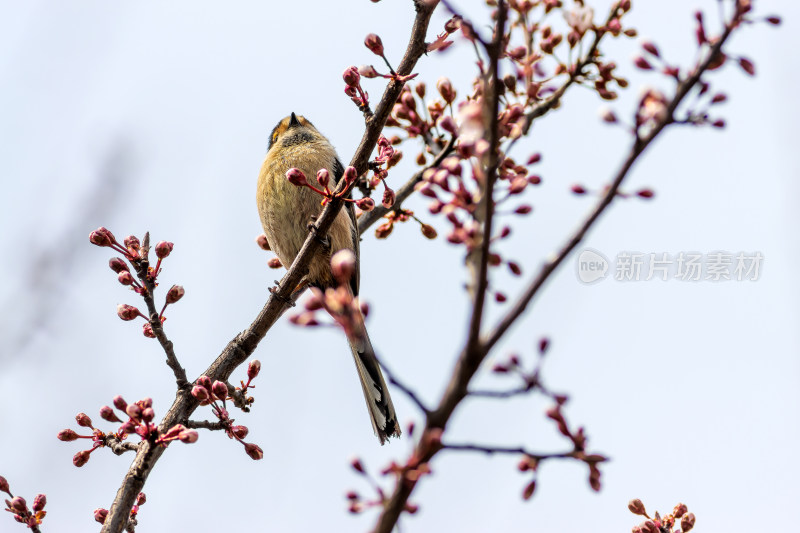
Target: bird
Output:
[{"x": 286, "y": 211}]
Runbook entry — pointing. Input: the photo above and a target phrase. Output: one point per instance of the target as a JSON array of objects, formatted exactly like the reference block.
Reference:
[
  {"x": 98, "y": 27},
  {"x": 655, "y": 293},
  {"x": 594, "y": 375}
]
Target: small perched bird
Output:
[{"x": 286, "y": 211}]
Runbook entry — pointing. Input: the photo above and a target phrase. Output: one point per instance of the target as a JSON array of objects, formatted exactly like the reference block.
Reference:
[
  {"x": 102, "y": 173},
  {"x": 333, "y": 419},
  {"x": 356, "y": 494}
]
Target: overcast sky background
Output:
[{"x": 154, "y": 116}]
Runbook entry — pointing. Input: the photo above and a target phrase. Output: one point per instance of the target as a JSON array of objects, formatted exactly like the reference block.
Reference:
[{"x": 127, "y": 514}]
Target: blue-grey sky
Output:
[{"x": 152, "y": 116}]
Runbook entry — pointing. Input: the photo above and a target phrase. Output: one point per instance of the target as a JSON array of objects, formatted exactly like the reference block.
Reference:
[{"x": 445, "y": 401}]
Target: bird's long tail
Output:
[{"x": 379, "y": 402}]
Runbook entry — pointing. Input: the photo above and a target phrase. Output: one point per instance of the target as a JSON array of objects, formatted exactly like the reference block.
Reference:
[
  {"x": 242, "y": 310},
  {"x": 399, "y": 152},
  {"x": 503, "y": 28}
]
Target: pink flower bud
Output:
[
  {"x": 687, "y": 522},
  {"x": 204, "y": 381},
  {"x": 18, "y": 504},
  {"x": 253, "y": 368},
  {"x": 350, "y": 175},
  {"x": 343, "y": 265},
  {"x": 373, "y": 42},
  {"x": 253, "y": 451},
  {"x": 117, "y": 264},
  {"x": 4, "y": 485},
  {"x": 650, "y": 48},
  {"x": 449, "y": 125},
  {"x": 127, "y": 312},
  {"x": 83, "y": 420},
  {"x": 66, "y": 435},
  {"x": 39, "y": 502},
  {"x": 446, "y": 90},
  {"x": 132, "y": 243},
  {"x": 366, "y": 204},
  {"x": 220, "y": 390},
  {"x": 357, "y": 466},
  {"x": 188, "y": 436},
  {"x": 428, "y": 231},
  {"x": 81, "y": 458},
  {"x": 577, "y": 189},
  {"x": 100, "y": 515},
  {"x": 141, "y": 499},
  {"x": 119, "y": 403},
  {"x": 529, "y": 490},
  {"x": 134, "y": 411},
  {"x": 642, "y": 63},
  {"x": 163, "y": 249},
  {"x": 323, "y": 177},
  {"x": 125, "y": 278},
  {"x": 388, "y": 198},
  {"x": 608, "y": 115},
  {"x": 747, "y": 66},
  {"x": 101, "y": 237},
  {"x": 514, "y": 268},
  {"x": 240, "y": 432},
  {"x": 262, "y": 242},
  {"x": 201, "y": 393},
  {"x": 274, "y": 263},
  {"x": 774, "y": 20},
  {"x": 108, "y": 414},
  {"x": 148, "y": 414},
  {"x": 544, "y": 343},
  {"x": 351, "y": 76},
  {"x": 368, "y": 71},
  {"x": 645, "y": 193},
  {"x": 296, "y": 177},
  {"x": 175, "y": 293},
  {"x": 680, "y": 510},
  {"x": 637, "y": 507}
]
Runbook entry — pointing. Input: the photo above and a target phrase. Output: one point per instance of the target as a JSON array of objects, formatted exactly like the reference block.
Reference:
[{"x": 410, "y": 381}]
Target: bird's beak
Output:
[{"x": 293, "y": 121}]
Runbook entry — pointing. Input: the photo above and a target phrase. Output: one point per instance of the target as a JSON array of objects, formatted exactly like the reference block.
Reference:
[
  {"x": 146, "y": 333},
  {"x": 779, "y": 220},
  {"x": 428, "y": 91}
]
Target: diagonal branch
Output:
[{"x": 243, "y": 345}]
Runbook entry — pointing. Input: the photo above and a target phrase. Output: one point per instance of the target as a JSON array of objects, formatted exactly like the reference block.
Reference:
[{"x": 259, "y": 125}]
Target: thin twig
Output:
[{"x": 491, "y": 450}]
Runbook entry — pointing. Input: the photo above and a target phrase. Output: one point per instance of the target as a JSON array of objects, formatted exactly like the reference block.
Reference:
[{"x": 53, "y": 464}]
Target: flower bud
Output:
[
  {"x": 240, "y": 432},
  {"x": 127, "y": 312},
  {"x": 262, "y": 242},
  {"x": 357, "y": 466},
  {"x": 4, "y": 485},
  {"x": 200, "y": 392},
  {"x": 39, "y": 502},
  {"x": 383, "y": 231},
  {"x": 204, "y": 381},
  {"x": 117, "y": 264},
  {"x": 253, "y": 368},
  {"x": 350, "y": 175},
  {"x": 446, "y": 90},
  {"x": 637, "y": 507},
  {"x": 343, "y": 265},
  {"x": 18, "y": 504},
  {"x": 608, "y": 115},
  {"x": 253, "y": 451},
  {"x": 101, "y": 237},
  {"x": 577, "y": 189},
  {"x": 366, "y": 204},
  {"x": 220, "y": 390},
  {"x": 374, "y": 44},
  {"x": 141, "y": 499},
  {"x": 367, "y": 71},
  {"x": 119, "y": 403},
  {"x": 687, "y": 522},
  {"x": 175, "y": 293},
  {"x": 134, "y": 411},
  {"x": 163, "y": 249},
  {"x": 81, "y": 458},
  {"x": 449, "y": 125},
  {"x": 680, "y": 510},
  {"x": 428, "y": 231},
  {"x": 188, "y": 436},
  {"x": 642, "y": 63},
  {"x": 650, "y": 48},
  {"x": 132, "y": 243},
  {"x": 296, "y": 177},
  {"x": 83, "y": 420},
  {"x": 388, "y": 198},
  {"x": 323, "y": 177},
  {"x": 645, "y": 193},
  {"x": 100, "y": 515},
  {"x": 66, "y": 435},
  {"x": 529, "y": 489},
  {"x": 147, "y": 330},
  {"x": 351, "y": 76},
  {"x": 108, "y": 414},
  {"x": 148, "y": 414},
  {"x": 125, "y": 278}
]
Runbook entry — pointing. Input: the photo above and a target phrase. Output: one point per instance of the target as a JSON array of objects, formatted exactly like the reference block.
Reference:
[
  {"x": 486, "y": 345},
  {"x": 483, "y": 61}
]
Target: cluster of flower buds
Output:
[
  {"x": 346, "y": 309},
  {"x": 578, "y": 439},
  {"x": 353, "y": 89},
  {"x": 18, "y": 507},
  {"x": 298, "y": 178},
  {"x": 403, "y": 215},
  {"x": 442, "y": 43},
  {"x": 133, "y": 252},
  {"x": 680, "y": 515},
  {"x": 216, "y": 394},
  {"x": 139, "y": 421},
  {"x": 101, "y": 514}
]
